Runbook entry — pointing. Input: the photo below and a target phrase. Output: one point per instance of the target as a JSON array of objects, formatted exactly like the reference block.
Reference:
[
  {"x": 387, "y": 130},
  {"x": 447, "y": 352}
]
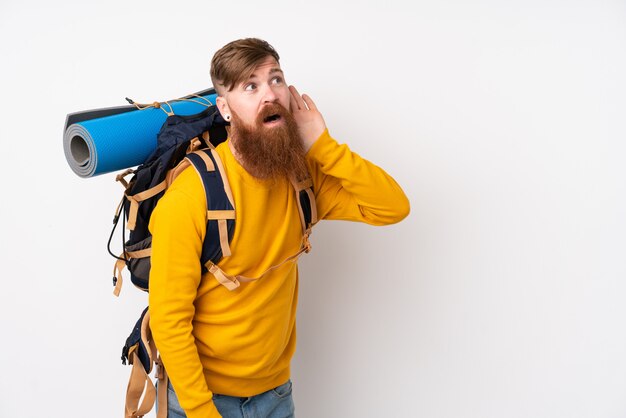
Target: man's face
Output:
[
  {"x": 263, "y": 131},
  {"x": 265, "y": 86}
]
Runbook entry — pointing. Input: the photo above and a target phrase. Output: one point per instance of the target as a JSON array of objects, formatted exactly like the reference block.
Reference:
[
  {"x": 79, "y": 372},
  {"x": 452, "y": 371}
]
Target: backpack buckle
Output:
[
  {"x": 159, "y": 369},
  {"x": 306, "y": 244}
]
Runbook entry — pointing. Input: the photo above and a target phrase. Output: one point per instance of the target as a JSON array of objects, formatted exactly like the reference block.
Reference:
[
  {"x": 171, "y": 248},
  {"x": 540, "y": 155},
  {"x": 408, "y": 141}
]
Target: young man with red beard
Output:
[{"x": 227, "y": 353}]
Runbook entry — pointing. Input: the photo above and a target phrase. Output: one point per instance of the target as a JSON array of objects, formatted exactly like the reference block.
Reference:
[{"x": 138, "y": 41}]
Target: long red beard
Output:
[{"x": 270, "y": 152}]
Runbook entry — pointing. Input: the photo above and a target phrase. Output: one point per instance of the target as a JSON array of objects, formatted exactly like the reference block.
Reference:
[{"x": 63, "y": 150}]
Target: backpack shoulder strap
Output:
[
  {"x": 220, "y": 204},
  {"x": 306, "y": 203}
]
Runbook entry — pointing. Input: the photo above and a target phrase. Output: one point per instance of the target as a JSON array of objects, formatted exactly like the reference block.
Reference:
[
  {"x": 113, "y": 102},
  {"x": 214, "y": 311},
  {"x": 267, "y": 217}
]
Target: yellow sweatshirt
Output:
[{"x": 240, "y": 343}]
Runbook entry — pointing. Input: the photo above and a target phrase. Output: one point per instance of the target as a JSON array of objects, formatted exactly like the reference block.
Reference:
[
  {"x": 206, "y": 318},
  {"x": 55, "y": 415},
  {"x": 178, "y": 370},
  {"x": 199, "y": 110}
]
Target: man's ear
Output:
[{"x": 224, "y": 109}]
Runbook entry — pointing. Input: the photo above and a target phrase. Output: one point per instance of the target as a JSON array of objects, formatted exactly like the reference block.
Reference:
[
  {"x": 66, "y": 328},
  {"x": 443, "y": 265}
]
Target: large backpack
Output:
[{"x": 183, "y": 141}]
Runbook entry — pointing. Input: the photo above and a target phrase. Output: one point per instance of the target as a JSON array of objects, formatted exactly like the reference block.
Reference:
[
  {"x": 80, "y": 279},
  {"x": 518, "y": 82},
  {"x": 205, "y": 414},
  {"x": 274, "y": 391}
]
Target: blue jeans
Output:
[{"x": 275, "y": 403}]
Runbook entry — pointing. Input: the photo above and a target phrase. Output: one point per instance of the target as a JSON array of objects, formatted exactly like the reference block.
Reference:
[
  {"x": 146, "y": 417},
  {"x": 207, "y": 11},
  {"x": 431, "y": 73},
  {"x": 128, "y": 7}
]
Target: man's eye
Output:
[
  {"x": 249, "y": 87},
  {"x": 277, "y": 80}
]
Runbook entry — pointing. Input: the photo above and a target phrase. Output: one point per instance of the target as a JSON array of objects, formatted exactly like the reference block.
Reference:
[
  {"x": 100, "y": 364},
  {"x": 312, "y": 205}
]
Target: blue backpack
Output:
[{"x": 183, "y": 141}]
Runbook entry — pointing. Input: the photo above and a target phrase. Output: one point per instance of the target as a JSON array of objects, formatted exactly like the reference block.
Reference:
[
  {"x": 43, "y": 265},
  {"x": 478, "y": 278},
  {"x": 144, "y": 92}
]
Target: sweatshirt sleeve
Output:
[
  {"x": 178, "y": 227},
  {"x": 348, "y": 187}
]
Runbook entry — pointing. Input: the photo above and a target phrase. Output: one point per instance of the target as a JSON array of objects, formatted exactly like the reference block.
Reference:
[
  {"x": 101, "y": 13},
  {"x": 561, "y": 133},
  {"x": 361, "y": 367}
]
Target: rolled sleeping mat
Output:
[{"x": 101, "y": 141}]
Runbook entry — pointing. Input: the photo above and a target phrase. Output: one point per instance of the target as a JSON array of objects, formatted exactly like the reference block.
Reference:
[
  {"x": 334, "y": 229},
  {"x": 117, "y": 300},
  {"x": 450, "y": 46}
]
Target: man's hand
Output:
[{"x": 310, "y": 121}]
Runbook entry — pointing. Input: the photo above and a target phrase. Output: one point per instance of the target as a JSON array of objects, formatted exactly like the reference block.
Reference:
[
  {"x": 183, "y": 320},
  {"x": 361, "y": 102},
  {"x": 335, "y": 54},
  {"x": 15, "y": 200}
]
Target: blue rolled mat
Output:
[{"x": 104, "y": 140}]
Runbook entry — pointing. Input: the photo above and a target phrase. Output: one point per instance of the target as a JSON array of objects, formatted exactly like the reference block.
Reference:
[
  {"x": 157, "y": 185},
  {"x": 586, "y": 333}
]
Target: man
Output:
[{"x": 228, "y": 353}]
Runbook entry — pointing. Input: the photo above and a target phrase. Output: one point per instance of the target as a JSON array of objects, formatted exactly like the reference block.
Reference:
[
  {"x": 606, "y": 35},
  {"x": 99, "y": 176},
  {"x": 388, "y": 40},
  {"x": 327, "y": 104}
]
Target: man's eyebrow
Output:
[{"x": 272, "y": 71}]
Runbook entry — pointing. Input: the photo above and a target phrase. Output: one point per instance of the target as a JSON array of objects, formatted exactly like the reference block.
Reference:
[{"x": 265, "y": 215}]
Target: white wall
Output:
[{"x": 502, "y": 294}]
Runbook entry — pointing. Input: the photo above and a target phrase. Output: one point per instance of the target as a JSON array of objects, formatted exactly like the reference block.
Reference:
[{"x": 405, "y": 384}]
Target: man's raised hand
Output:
[{"x": 309, "y": 120}]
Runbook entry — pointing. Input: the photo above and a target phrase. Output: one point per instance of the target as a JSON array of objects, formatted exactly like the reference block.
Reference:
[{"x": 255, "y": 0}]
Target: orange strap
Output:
[
  {"x": 117, "y": 273},
  {"x": 146, "y": 252},
  {"x": 304, "y": 184},
  {"x": 193, "y": 145},
  {"x": 121, "y": 179},
  {"x": 174, "y": 172},
  {"x": 307, "y": 186},
  {"x": 139, "y": 383},
  {"x": 220, "y": 168},
  {"x": 233, "y": 282},
  {"x": 120, "y": 263},
  {"x": 220, "y": 214},
  {"x": 222, "y": 226},
  {"x": 229, "y": 282},
  {"x": 140, "y": 197},
  {"x": 207, "y": 161},
  {"x": 161, "y": 389},
  {"x": 146, "y": 335},
  {"x": 207, "y": 139}
]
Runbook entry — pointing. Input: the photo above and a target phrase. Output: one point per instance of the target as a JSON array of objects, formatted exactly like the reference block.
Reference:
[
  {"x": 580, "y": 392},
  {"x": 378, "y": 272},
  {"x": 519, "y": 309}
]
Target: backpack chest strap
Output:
[{"x": 233, "y": 282}]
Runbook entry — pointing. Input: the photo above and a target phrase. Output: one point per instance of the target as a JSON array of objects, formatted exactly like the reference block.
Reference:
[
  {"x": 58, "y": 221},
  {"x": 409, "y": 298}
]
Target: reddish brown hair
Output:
[{"x": 236, "y": 61}]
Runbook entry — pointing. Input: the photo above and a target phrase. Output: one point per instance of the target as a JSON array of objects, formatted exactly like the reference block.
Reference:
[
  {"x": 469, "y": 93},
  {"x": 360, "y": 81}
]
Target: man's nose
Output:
[{"x": 269, "y": 95}]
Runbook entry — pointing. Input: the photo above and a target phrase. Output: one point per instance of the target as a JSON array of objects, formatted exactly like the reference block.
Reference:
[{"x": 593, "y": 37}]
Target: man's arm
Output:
[
  {"x": 178, "y": 231},
  {"x": 347, "y": 186}
]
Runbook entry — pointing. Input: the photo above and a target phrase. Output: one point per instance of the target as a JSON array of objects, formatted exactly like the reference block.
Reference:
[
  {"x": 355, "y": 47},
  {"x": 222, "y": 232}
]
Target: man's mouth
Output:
[{"x": 272, "y": 119}]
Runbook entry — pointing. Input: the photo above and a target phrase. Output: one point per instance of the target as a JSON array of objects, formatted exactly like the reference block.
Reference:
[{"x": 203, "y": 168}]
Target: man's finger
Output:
[
  {"x": 292, "y": 101},
  {"x": 297, "y": 97},
  {"x": 309, "y": 102}
]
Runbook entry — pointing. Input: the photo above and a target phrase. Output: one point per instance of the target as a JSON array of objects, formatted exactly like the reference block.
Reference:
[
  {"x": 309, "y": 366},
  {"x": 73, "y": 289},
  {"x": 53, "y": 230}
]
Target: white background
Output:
[{"x": 501, "y": 295}]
